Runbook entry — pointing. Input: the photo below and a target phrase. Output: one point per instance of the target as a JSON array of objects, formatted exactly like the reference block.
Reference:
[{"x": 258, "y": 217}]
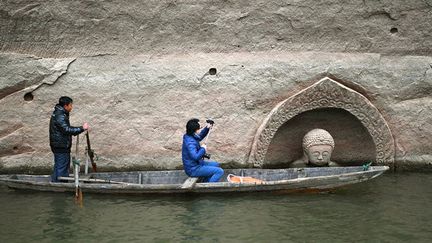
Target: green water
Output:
[{"x": 391, "y": 208}]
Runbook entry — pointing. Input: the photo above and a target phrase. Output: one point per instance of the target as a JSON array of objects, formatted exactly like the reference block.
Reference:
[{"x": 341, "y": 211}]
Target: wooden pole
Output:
[
  {"x": 76, "y": 163},
  {"x": 90, "y": 152}
]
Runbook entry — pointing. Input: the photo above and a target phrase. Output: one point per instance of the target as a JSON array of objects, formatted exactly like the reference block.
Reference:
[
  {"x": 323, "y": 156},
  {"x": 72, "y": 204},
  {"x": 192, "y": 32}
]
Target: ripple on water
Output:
[{"x": 391, "y": 208}]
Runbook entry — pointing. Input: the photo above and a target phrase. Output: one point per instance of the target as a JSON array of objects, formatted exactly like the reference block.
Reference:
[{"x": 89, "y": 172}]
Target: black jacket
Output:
[{"x": 61, "y": 131}]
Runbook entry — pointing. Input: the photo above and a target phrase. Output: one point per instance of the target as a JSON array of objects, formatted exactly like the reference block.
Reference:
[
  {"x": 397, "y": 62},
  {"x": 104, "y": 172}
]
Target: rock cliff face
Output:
[
  {"x": 137, "y": 71},
  {"x": 85, "y": 28}
]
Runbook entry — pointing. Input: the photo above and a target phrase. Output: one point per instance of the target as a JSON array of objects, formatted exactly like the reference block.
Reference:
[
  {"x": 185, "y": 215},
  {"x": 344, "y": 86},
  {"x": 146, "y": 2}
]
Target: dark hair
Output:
[
  {"x": 64, "y": 100},
  {"x": 192, "y": 126}
]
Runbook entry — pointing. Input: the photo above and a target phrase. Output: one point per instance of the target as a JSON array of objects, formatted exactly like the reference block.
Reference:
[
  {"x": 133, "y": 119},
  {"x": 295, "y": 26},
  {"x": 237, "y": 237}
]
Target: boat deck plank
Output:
[{"x": 189, "y": 183}]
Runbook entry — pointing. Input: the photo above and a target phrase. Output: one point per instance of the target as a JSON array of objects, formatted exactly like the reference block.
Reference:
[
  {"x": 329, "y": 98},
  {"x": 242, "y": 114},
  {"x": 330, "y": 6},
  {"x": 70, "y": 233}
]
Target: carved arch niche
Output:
[{"x": 331, "y": 103}]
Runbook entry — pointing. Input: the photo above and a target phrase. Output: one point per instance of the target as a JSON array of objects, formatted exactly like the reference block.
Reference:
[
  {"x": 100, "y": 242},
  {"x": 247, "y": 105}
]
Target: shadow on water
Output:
[{"x": 391, "y": 208}]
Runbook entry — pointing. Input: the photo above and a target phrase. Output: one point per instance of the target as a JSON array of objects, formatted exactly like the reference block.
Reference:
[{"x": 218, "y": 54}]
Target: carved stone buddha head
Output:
[{"x": 318, "y": 146}]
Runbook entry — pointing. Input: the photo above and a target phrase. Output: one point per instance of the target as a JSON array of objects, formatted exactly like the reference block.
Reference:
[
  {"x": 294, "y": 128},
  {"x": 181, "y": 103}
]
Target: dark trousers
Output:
[{"x": 61, "y": 166}]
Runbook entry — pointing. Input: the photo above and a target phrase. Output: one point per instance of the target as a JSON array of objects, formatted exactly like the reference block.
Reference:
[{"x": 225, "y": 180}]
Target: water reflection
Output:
[{"x": 392, "y": 208}]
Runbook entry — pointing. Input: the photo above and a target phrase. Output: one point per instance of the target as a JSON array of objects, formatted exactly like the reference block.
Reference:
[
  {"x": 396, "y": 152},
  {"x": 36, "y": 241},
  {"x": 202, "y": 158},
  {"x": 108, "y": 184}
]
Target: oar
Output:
[
  {"x": 76, "y": 163},
  {"x": 90, "y": 152}
]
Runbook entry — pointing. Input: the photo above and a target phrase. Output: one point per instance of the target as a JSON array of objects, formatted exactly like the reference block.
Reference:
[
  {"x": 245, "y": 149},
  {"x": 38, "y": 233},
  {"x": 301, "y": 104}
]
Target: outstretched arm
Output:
[
  {"x": 203, "y": 133},
  {"x": 60, "y": 120}
]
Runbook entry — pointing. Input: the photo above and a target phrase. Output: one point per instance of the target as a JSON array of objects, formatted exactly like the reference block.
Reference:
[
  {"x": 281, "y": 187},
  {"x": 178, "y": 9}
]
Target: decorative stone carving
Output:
[{"x": 326, "y": 93}]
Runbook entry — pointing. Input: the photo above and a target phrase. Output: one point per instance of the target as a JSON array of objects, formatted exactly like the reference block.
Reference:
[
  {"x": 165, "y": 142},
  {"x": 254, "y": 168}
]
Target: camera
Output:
[
  {"x": 206, "y": 156},
  {"x": 209, "y": 121}
]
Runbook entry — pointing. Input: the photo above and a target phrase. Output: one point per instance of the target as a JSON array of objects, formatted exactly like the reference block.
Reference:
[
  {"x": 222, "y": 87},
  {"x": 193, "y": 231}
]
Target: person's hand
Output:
[
  {"x": 86, "y": 126},
  {"x": 204, "y": 146},
  {"x": 210, "y": 123}
]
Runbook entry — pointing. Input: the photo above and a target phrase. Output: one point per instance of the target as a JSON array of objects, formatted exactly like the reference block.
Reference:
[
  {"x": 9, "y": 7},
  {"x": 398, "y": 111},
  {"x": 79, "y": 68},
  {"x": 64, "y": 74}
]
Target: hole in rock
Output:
[
  {"x": 212, "y": 71},
  {"x": 28, "y": 96},
  {"x": 393, "y": 30}
]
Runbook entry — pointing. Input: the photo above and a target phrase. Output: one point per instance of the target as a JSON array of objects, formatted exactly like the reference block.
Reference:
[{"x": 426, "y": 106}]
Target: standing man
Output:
[
  {"x": 193, "y": 153},
  {"x": 61, "y": 132}
]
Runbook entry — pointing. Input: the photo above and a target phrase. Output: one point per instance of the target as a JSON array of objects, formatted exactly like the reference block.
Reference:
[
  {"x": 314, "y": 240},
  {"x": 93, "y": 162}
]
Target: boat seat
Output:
[{"x": 189, "y": 183}]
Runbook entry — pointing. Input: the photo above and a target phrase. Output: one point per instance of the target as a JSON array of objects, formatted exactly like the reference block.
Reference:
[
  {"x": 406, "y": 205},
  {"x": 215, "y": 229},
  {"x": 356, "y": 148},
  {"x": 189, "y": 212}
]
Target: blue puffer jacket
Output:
[{"x": 192, "y": 152}]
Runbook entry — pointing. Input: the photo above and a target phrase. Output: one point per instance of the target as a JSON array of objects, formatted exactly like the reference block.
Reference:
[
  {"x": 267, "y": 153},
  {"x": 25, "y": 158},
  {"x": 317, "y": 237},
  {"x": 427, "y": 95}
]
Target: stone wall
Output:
[
  {"x": 138, "y": 71},
  {"x": 84, "y": 28}
]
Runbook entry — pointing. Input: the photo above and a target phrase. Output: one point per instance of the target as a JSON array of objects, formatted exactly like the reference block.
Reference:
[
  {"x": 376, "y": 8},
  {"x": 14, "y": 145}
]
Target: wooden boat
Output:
[{"x": 176, "y": 181}]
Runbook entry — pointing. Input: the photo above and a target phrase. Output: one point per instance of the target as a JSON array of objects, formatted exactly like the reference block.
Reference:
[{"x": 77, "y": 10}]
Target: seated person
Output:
[
  {"x": 193, "y": 153},
  {"x": 318, "y": 146}
]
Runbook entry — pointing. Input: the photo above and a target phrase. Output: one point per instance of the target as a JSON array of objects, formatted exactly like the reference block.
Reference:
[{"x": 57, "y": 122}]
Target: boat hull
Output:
[{"x": 166, "y": 182}]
